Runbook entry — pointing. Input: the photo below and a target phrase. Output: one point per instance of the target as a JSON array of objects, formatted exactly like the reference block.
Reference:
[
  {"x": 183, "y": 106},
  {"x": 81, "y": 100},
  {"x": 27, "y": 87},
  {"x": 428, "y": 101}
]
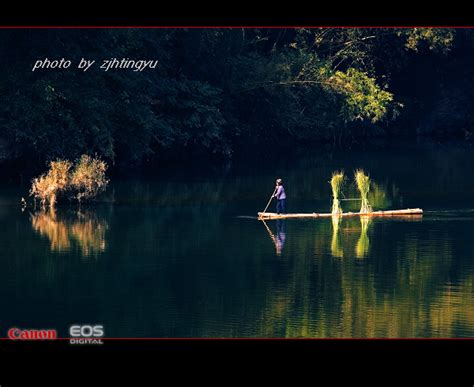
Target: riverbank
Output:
[{"x": 168, "y": 164}]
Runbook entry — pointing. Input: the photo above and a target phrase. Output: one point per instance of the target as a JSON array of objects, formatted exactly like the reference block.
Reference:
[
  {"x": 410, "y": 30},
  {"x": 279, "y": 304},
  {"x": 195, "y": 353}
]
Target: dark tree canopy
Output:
[{"x": 217, "y": 92}]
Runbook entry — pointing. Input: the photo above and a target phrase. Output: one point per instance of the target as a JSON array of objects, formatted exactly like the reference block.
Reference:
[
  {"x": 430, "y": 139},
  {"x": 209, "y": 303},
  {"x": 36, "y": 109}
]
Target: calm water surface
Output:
[{"x": 183, "y": 255}]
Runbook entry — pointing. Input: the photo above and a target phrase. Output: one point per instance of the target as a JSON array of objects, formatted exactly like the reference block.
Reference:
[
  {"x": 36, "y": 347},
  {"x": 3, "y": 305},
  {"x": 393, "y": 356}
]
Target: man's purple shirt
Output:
[{"x": 280, "y": 193}]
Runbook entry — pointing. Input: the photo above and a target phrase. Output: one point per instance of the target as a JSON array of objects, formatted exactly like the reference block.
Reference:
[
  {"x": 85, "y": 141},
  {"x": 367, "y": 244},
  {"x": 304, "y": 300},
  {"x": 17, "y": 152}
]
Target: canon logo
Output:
[{"x": 32, "y": 334}]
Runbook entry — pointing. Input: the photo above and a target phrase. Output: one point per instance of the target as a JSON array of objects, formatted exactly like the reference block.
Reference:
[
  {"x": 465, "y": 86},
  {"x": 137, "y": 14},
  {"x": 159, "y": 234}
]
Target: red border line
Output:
[
  {"x": 224, "y": 26},
  {"x": 254, "y": 339}
]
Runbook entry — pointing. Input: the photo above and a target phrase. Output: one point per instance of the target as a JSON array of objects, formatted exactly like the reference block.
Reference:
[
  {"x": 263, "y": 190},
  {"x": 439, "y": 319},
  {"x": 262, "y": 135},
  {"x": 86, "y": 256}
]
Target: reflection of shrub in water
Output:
[
  {"x": 336, "y": 248},
  {"x": 362, "y": 247},
  {"x": 85, "y": 231},
  {"x": 46, "y": 224},
  {"x": 89, "y": 233}
]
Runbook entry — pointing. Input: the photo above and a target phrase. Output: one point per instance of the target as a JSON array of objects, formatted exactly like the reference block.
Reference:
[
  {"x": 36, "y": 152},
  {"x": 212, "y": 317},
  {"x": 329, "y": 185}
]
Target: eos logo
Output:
[{"x": 86, "y": 334}]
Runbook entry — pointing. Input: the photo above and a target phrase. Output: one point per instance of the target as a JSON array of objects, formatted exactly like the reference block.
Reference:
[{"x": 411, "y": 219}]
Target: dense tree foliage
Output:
[{"x": 217, "y": 92}]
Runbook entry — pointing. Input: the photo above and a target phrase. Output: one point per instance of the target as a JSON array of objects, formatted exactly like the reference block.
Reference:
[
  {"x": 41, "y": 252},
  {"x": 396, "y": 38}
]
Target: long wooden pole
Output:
[{"x": 271, "y": 197}]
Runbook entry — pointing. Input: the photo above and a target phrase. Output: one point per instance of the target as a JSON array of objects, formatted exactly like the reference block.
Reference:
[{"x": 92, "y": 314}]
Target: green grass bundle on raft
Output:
[
  {"x": 363, "y": 185},
  {"x": 336, "y": 184}
]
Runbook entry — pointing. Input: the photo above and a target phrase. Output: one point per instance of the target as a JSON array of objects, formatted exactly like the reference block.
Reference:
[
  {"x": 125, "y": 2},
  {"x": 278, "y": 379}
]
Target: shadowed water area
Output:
[{"x": 184, "y": 255}]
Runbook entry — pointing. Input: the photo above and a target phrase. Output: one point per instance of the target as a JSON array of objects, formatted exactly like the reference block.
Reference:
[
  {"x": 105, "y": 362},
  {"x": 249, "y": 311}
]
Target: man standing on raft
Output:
[{"x": 280, "y": 196}]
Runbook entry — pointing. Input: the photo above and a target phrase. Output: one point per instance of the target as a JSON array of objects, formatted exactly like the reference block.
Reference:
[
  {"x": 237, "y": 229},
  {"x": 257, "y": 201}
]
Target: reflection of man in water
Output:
[{"x": 280, "y": 236}]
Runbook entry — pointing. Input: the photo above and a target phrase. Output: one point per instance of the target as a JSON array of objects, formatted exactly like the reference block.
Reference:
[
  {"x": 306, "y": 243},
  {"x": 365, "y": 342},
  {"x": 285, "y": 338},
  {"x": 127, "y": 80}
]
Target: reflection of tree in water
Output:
[
  {"x": 84, "y": 230},
  {"x": 452, "y": 308},
  {"x": 381, "y": 196},
  {"x": 419, "y": 290}
]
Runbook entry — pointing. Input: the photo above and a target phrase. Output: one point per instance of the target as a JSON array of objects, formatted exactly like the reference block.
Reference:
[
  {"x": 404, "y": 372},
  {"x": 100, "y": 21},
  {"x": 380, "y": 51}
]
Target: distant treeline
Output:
[{"x": 217, "y": 93}]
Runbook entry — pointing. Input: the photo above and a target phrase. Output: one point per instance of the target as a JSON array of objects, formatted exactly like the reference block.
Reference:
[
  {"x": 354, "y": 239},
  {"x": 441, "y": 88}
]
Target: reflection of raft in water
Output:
[{"x": 408, "y": 212}]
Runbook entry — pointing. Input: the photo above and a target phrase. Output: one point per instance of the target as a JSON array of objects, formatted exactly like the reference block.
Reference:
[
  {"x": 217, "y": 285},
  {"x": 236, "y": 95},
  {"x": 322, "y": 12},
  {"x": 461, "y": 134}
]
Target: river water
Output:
[{"x": 184, "y": 255}]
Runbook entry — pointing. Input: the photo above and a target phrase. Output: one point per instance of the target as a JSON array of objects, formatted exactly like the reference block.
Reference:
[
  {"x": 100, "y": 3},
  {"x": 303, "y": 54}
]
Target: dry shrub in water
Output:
[
  {"x": 88, "y": 178},
  {"x": 84, "y": 182},
  {"x": 49, "y": 185}
]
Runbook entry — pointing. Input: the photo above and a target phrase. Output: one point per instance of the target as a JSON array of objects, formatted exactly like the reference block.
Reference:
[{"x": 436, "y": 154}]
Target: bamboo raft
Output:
[{"x": 407, "y": 212}]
